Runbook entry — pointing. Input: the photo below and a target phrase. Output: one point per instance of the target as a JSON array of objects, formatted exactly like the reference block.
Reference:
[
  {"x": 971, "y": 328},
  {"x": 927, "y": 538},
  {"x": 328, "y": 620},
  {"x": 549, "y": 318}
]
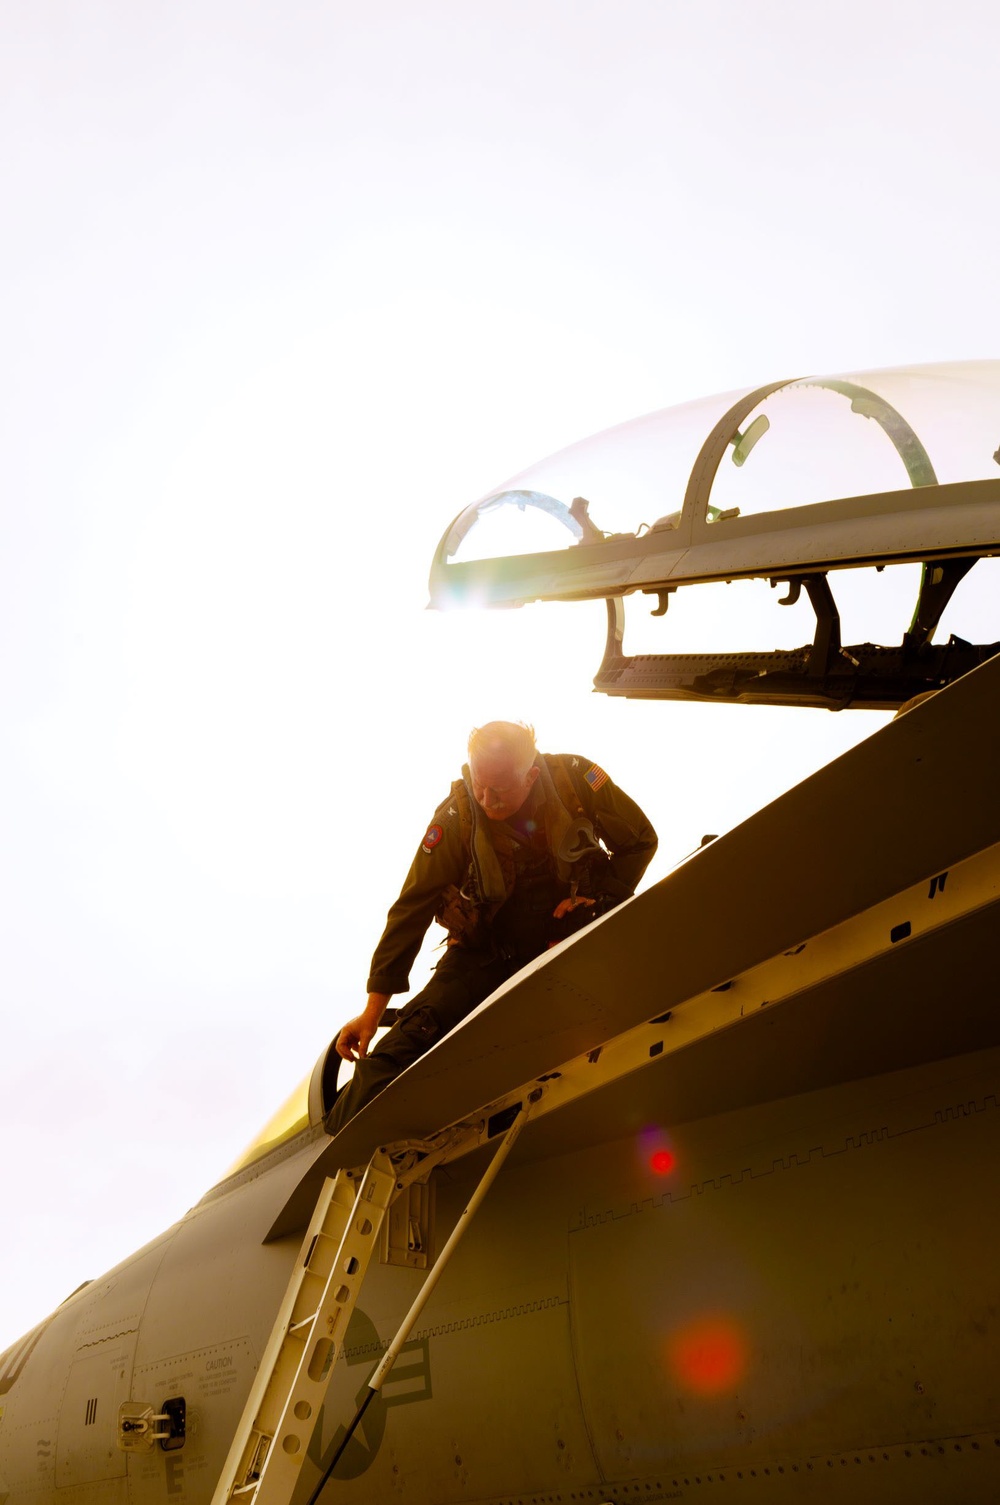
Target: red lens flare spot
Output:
[
  {"x": 708, "y": 1355},
  {"x": 662, "y": 1162}
]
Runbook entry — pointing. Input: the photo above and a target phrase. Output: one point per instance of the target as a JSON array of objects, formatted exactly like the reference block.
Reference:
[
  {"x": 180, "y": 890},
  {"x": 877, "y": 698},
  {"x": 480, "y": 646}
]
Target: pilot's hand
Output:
[
  {"x": 567, "y": 906},
  {"x": 354, "y": 1039}
]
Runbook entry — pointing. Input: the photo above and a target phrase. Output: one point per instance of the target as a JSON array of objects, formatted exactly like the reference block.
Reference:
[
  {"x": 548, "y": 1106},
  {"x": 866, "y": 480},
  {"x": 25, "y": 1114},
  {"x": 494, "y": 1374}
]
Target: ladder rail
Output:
[
  {"x": 265, "y": 1459},
  {"x": 433, "y": 1276},
  {"x": 264, "y": 1462},
  {"x": 332, "y": 1188}
]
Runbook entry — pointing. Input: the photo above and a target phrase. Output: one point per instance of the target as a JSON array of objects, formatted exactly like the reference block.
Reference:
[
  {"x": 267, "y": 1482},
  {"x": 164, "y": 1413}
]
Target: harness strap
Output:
[
  {"x": 493, "y": 885},
  {"x": 569, "y": 833}
]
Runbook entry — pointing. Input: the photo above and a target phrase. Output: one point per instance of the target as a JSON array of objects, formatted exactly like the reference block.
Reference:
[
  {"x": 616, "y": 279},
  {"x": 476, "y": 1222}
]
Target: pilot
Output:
[{"x": 526, "y": 849}]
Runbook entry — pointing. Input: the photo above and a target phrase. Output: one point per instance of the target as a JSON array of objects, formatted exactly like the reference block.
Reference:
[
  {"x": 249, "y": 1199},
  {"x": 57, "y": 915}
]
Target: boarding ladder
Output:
[{"x": 264, "y": 1463}]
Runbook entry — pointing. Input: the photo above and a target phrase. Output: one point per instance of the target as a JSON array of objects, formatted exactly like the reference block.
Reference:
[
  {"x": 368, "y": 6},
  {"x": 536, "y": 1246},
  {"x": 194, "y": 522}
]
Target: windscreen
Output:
[{"x": 291, "y": 1118}]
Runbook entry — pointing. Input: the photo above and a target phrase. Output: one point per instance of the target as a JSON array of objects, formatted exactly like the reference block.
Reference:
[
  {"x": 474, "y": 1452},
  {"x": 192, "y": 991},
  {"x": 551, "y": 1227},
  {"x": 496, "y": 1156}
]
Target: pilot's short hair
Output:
[{"x": 515, "y": 738}]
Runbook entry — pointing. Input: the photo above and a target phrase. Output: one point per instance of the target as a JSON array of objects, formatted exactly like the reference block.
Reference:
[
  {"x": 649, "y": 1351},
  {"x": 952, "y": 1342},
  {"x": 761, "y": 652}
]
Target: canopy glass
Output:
[{"x": 803, "y": 442}]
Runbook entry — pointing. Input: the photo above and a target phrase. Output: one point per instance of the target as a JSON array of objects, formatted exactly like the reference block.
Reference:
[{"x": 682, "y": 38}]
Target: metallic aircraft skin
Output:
[{"x": 746, "y": 1238}]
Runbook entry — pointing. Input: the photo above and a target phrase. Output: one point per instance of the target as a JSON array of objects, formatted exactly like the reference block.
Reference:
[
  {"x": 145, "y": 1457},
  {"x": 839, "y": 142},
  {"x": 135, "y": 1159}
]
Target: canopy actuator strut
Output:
[
  {"x": 938, "y": 581},
  {"x": 827, "y": 640}
]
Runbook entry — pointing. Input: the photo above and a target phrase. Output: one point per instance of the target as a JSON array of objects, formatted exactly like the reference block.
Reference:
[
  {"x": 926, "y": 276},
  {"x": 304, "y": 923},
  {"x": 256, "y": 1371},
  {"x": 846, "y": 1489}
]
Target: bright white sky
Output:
[{"x": 283, "y": 287}]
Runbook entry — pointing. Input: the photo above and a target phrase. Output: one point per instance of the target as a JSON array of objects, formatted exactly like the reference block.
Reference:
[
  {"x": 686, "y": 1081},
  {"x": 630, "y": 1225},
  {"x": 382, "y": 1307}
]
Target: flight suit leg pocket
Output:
[{"x": 422, "y": 1027}]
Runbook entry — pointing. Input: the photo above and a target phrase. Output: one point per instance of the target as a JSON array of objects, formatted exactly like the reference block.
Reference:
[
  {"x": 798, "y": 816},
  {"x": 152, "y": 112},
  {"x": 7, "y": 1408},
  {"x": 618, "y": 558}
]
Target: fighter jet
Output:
[{"x": 701, "y": 1201}]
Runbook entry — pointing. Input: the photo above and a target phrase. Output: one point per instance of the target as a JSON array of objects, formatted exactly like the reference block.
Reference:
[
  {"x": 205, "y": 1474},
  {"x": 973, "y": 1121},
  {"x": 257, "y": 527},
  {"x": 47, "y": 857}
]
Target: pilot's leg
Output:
[{"x": 461, "y": 981}]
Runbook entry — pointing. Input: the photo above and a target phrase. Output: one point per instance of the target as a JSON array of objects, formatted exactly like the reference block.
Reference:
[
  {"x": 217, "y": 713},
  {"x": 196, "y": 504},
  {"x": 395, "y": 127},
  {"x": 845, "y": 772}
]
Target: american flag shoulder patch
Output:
[{"x": 595, "y": 777}]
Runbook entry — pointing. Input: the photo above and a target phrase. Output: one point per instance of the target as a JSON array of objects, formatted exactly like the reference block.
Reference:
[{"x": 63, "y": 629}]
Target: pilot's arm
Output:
[
  {"x": 441, "y": 860},
  {"x": 619, "y": 823}
]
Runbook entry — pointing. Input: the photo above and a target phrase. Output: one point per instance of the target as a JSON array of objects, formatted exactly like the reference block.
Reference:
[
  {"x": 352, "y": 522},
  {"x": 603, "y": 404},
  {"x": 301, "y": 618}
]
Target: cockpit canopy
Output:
[
  {"x": 784, "y": 446},
  {"x": 787, "y": 482}
]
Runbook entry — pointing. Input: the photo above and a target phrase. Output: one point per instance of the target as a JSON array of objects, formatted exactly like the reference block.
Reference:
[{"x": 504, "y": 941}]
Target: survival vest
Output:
[{"x": 569, "y": 834}]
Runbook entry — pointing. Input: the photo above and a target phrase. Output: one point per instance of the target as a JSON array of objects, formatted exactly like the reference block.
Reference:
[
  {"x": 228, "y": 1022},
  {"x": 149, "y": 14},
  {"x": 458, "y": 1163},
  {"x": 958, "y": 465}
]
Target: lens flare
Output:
[
  {"x": 656, "y": 1151},
  {"x": 708, "y": 1355}
]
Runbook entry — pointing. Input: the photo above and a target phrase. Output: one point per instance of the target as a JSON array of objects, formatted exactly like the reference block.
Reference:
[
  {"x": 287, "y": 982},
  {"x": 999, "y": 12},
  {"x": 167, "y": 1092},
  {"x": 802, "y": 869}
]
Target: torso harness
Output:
[{"x": 571, "y": 854}]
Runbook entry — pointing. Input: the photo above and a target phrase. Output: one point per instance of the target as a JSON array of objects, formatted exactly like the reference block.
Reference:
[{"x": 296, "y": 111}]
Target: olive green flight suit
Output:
[{"x": 521, "y": 928}]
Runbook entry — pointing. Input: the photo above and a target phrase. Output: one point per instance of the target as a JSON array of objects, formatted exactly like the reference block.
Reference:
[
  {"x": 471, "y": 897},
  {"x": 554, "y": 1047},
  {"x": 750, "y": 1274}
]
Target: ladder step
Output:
[{"x": 297, "y": 1327}]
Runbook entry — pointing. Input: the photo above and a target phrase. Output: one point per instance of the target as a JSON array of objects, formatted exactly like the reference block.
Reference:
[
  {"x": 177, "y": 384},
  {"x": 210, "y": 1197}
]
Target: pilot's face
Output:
[{"x": 498, "y": 786}]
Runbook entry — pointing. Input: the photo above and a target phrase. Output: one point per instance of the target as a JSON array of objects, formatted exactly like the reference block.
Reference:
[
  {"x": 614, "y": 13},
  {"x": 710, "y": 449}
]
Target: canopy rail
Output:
[{"x": 823, "y": 673}]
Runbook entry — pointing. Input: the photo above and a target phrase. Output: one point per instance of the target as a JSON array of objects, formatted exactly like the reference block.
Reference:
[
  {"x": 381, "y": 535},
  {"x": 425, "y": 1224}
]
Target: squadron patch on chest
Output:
[
  {"x": 595, "y": 776},
  {"x": 433, "y": 836}
]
